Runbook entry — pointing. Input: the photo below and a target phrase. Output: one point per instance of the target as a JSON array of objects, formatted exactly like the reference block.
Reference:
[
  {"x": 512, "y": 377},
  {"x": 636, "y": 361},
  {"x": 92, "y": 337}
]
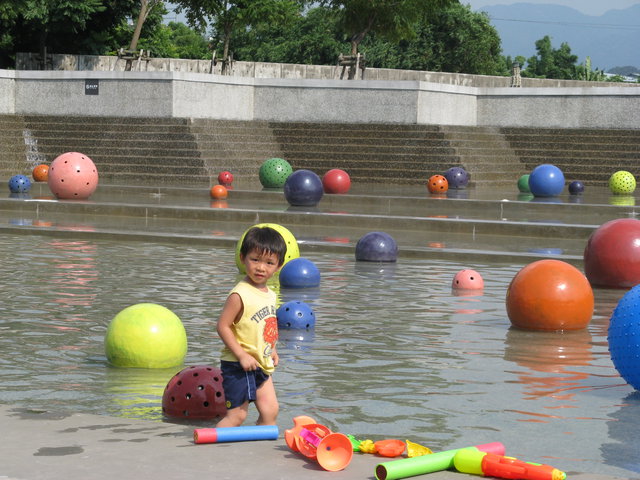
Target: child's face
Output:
[{"x": 260, "y": 266}]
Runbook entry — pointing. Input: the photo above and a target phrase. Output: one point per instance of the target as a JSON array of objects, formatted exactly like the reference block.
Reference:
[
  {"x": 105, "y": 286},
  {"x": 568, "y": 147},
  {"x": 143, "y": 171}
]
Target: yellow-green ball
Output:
[
  {"x": 146, "y": 335},
  {"x": 622, "y": 183},
  {"x": 293, "y": 251}
]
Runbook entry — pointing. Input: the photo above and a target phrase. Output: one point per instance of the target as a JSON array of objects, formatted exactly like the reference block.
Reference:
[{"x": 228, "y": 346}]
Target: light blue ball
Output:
[
  {"x": 19, "y": 184},
  {"x": 624, "y": 337},
  {"x": 296, "y": 315},
  {"x": 299, "y": 273},
  {"x": 546, "y": 181}
]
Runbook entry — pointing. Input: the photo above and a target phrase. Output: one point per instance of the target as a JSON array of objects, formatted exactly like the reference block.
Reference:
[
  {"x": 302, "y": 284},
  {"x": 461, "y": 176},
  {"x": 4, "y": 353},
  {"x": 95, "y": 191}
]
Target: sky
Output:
[{"x": 588, "y": 7}]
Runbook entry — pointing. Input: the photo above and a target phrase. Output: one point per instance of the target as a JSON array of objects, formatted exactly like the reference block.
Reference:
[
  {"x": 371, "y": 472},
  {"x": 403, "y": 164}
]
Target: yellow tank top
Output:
[{"x": 257, "y": 329}]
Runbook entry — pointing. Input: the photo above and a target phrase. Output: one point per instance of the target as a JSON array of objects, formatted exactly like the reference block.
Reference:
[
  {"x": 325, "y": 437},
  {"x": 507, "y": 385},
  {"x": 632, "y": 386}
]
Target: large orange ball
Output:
[{"x": 550, "y": 295}]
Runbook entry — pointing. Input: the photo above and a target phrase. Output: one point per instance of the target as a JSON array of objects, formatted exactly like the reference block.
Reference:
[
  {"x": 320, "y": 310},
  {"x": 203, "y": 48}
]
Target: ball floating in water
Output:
[
  {"x": 274, "y": 172},
  {"x": 72, "y": 175},
  {"x": 40, "y": 173},
  {"x": 303, "y": 188},
  {"x": 295, "y": 314},
  {"x": 195, "y": 392},
  {"x": 612, "y": 254},
  {"x": 457, "y": 177},
  {"x": 146, "y": 335},
  {"x": 437, "y": 184},
  {"x": 576, "y": 187},
  {"x": 624, "y": 337},
  {"x": 549, "y": 295},
  {"x": 225, "y": 178},
  {"x": 622, "y": 183},
  {"x": 293, "y": 251},
  {"x": 468, "y": 279},
  {"x": 19, "y": 184},
  {"x": 546, "y": 180},
  {"x": 523, "y": 184},
  {"x": 219, "y": 192},
  {"x": 299, "y": 273},
  {"x": 336, "y": 181},
  {"x": 377, "y": 247}
]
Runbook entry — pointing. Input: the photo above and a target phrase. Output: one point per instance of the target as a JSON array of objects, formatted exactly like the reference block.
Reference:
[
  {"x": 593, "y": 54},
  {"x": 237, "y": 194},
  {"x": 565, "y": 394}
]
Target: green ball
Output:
[
  {"x": 622, "y": 183},
  {"x": 274, "y": 173},
  {"x": 293, "y": 251},
  {"x": 146, "y": 335},
  {"x": 523, "y": 184}
]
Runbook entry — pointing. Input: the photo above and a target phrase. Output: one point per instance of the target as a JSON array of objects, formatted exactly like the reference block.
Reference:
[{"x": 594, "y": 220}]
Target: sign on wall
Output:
[{"x": 91, "y": 87}]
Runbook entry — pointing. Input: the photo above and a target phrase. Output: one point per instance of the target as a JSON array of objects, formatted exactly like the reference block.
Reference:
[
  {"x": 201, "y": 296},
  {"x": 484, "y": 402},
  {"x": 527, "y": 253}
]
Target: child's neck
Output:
[{"x": 260, "y": 286}]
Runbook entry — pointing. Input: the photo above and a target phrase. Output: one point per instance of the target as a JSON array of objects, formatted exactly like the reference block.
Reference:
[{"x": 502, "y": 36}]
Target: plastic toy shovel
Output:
[{"x": 333, "y": 452}]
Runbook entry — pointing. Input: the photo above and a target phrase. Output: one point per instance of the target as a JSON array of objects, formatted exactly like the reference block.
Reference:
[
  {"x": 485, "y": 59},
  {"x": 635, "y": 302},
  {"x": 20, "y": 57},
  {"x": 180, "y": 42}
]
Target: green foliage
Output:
[
  {"x": 175, "y": 40},
  {"x": 550, "y": 62},
  {"x": 584, "y": 72}
]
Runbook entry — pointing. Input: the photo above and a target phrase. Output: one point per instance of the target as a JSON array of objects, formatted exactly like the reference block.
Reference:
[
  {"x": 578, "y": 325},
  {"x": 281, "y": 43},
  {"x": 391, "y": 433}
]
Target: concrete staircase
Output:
[{"x": 191, "y": 152}]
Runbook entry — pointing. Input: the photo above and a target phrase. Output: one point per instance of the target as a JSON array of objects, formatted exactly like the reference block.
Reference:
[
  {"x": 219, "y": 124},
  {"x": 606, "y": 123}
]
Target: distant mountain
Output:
[{"x": 611, "y": 39}]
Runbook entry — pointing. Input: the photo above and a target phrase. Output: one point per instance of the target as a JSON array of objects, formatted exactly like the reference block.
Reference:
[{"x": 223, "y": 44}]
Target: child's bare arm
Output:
[{"x": 231, "y": 311}]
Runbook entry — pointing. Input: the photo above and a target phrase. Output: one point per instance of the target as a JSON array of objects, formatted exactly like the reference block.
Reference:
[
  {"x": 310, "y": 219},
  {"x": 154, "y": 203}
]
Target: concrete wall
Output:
[{"x": 184, "y": 95}]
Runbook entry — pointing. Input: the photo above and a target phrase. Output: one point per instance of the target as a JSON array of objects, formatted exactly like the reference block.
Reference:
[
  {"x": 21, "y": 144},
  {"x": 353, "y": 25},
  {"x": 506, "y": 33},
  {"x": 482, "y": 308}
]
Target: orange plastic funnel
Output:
[
  {"x": 334, "y": 452},
  {"x": 307, "y": 448}
]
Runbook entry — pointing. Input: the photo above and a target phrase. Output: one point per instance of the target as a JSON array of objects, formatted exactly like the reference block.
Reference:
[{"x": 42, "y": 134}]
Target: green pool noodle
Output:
[{"x": 433, "y": 462}]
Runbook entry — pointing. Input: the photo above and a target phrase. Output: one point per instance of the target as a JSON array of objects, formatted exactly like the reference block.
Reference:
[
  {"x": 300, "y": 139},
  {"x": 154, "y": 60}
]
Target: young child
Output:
[{"x": 249, "y": 329}]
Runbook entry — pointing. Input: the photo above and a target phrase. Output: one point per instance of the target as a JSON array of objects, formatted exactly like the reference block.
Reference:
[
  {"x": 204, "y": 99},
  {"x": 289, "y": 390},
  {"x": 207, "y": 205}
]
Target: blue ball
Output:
[
  {"x": 299, "y": 273},
  {"x": 19, "y": 184},
  {"x": 576, "y": 187},
  {"x": 546, "y": 181},
  {"x": 295, "y": 314},
  {"x": 624, "y": 337},
  {"x": 377, "y": 247},
  {"x": 457, "y": 177},
  {"x": 303, "y": 188}
]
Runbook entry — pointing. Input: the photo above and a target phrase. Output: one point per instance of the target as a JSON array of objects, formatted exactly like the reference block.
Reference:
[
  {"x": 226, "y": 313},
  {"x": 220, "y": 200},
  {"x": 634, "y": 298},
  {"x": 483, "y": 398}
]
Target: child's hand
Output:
[
  {"x": 248, "y": 363},
  {"x": 275, "y": 358}
]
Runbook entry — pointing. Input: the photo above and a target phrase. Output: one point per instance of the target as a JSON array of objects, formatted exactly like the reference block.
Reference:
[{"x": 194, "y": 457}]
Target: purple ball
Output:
[
  {"x": 303, "y": 188},
  {"x": 457, "y": 177},
  {"x": 377, "y": 247},
  {"x": 576, "y": 187}
]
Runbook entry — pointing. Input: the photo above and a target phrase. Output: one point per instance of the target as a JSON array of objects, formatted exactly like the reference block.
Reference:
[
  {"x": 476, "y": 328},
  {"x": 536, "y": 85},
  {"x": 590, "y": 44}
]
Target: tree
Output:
[
  {"x": 146, "y": 6},
  {"x": 550, "y": 62},
  {"x": 176, "y": 40},
  {"x": 227, "y": 16},
  {"x": 392, "y": 20}
]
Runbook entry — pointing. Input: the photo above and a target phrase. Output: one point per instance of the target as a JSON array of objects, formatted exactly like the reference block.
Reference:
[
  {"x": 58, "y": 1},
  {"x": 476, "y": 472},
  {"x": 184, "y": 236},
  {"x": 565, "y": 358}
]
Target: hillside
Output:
[{"x": 609, "y": 39}]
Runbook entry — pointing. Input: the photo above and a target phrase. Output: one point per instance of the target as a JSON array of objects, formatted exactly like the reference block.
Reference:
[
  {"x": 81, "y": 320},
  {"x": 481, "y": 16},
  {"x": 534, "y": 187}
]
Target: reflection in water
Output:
[
  {"x": 624, "y": 425},
  {"x": 73, "y": 272}
]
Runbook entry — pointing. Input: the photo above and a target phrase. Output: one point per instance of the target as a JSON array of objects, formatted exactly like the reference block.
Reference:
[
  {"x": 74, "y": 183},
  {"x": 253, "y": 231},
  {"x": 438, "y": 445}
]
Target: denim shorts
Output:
[{"x": 240, "y": 386}]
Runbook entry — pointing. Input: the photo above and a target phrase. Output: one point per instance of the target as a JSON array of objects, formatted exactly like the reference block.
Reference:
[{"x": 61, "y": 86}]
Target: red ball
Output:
[
  {"x": 72, "y": 175},
  {"x": 612, "y": 254},
  {"x": 219, "y": 192},
  {"x": 550, "y": 295},
  {"x": 40, "y": 173},
  {"x": 195, "y": 392},
  {"x": 225, "y": 178},
  {"x": 336, "y": 181},
  {"x": 437, "y": 184}
]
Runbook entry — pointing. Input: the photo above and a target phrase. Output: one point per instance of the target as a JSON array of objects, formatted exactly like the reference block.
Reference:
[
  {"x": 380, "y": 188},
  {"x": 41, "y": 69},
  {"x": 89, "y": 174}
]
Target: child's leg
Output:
[
  {"x": 235, "y": 416},
  {"x": 267, "y": 403}
]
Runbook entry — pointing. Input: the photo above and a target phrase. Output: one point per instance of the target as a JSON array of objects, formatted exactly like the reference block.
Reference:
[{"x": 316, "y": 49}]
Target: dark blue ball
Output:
[
  {"x": 576, "y": 187},
  {"x": 295, "y": 314},
  {"x": 624, "y": 335},
  {"x": 19, "y": 184},
  {"x": 303, "y": 188},
  {"x": 377, "y": 247},
  {"x": 299, "y": 273},
  {"x": 457, "y": 177}
]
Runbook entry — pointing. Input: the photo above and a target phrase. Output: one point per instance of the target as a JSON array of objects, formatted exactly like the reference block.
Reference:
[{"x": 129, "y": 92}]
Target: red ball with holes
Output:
[{"x": 195, "y": 392}]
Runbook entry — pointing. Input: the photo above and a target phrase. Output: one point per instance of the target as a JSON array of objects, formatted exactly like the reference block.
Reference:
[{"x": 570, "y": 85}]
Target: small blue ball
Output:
[
  {"x": 624, "y": 337},
  {"x": 546, "y": 181},
  {"x": 303, "y": 188},
  {"x": 295, "y": 314},
  {"x": 377, "y": 247},
  {"x": 19, "y": 184},
  {"x": 576, "y": 187},
  {"x": 299, "y": 273}
]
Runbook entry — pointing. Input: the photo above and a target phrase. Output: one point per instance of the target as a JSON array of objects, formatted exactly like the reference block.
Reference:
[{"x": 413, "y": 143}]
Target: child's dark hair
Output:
[{"x": 264, "y": 239}]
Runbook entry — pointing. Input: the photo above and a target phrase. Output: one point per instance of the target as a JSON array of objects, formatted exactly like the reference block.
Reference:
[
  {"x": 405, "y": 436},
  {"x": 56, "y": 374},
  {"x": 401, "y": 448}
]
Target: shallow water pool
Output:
[{"x": 394, "y": 353}]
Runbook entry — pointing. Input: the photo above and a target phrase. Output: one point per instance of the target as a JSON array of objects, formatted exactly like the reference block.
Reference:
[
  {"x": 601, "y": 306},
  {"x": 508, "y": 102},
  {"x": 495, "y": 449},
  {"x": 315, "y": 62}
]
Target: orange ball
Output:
[
  {"x": 550, "y": 295},
  {"x": 219, "y": 192},
  {"x": 437, "y": 184},
  {"x": 40, "y": 173}
]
